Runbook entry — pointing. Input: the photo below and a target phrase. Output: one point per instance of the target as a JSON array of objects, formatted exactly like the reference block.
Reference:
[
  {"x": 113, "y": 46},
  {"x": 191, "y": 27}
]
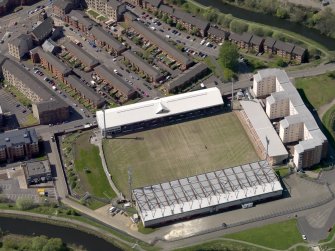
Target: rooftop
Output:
[
  {"x": 104, "y": 36},
  {"x": 206, "y": 190},
  {"x": 81, "y": 17},
  {"x": 218, "y": 32},
  {"x": 82, "y": 55},
  {"x": 17, "y": 41},
  {"x": 18, "y": 137},
  {"x": 256, "y": 40},
  {"x": 37, "y": 168},
  {"x": 283, "y": 46},
  {"x": 298, "y": 50},
  {"x": 188, "y": 18},
  {"x": 44, "y": 29},
  {"x": 154, "y": 3},
  {"x": 143, "y": 65},
  {"x": 161, "y": 43},
  {"x": 158, "y": 108},
  {"x": 114, "y": 79},
  {"x": 54, "y": 61},
  {"x": 269, "y": 42},
  {"x": 264, "y": 129}
]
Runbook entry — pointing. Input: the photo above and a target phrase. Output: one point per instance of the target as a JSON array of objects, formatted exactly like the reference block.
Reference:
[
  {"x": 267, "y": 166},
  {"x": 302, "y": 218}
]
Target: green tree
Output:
[
  {"x": 54, "y": 244},
  {"x": 179, "y": 26},
  {"x": 211, "y": 14},
  {"x": 225, "y": 20},
  {"x": 238, "y": 26},
  {"x": 282, "y": 13},
  {"x": 281, "y": 63},
  {"x": 24, "y": 203},
  {"x": 228, "y": 56},
  {"x": 39, "y": 242},
  {"x": 169, "y": 21},
  {"x": 165, "y": 18}
]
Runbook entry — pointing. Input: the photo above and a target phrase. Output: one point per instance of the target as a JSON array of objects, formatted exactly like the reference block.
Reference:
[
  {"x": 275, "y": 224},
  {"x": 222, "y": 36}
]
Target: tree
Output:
[
  {"x": 179, "y": 26},
  {"x": 54, "y": 244},
  {"x": 281, "y": 63},
  {"x": 165, "y": 18},
  {"x": 238, "y": 26},
  {"x": 228, "y": 56},
  {"x": 169, "y": 21},
  {"x": 24, "y": 203},
  {"x": 39, "y": 242}
]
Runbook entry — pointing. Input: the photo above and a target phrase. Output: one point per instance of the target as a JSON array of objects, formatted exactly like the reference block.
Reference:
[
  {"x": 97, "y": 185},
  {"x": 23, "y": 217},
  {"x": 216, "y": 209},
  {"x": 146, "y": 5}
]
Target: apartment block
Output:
[
  {"x": 18, "y": 145},
  {"x": 112, "y": 9},
  {"x": 79, "y": 20},
  {"x": 19, "y": 46},
  {"x": 62, "y": 7},
  {"x": 297, "y": 125}
]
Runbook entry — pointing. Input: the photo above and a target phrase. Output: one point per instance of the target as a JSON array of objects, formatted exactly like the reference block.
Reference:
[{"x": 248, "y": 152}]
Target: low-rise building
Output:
[
  {"x": 43, "y": 31},
  {"x": 181, "y": 58},
  {"x": 85, "y": 92},
  {"x": 217, "y": 35},
  {"x": 37, "y": 171},
  {"x": 47, "y": 107},
  {"x": 241, "y": 40},
  {"x": 145, "y": 68},
  {"x": 18, "y": 145},
  {"x": 51, "y": 63},
  {"x": 19, "y": 46},
  {"x": 135, "y": 2},
  {"x": 115, "y": 10},
  {"x": 188, "y": 77},
  {"x": 299, "y": 54},
  {"x": 152, "y": 5},
  {"x": 62, "y": 7},
  {"x": 84, "y": 57},
  {"x": 50, "y": 46},
  {"x": 79, "y": 20},
  {"x": 269, "y": 43},
  {"x": 105, "y": 40},
  {"x": 283, "y": 49},
  {"x": 121, "y": 89},
  {"x": 8, "y": 5},
  {"x": 257, "y": 43}
]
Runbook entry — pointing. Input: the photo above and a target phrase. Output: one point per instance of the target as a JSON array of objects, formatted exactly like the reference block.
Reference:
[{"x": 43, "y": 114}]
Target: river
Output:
[
  {"x": 256, "y": 17},
  {"x": 68, "y": 235}
]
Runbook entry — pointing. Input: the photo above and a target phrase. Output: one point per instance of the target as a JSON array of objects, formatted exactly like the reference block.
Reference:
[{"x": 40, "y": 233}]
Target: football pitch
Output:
[{"x": 177, "y": 151}]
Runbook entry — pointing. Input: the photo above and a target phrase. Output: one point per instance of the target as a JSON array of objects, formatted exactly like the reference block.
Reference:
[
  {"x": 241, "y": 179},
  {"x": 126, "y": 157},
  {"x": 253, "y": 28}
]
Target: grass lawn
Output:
[
  {"x": 177, "y": 151},
  {"x": 30, "y": 121},
  {"x": 93, "y": 13},
  {"x": 19, "y": 96},
  {"x": 89, "y": 168},
  {"x": 280, "y": 235},
  {"x": 318, "y": 90},
  {"x": 328, "y": 121}
]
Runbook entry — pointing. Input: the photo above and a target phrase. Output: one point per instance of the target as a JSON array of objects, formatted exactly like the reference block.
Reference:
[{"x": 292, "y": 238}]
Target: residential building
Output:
[
  {"x": 85, "y": 92},
  {"x": 42, "y": 31},
  {"x": 19, "y": 46},
  {"x": 269, "y": 43},
  {"x": 296, "y": 124},
  {"x": 283, "y": 49},
  {"x": 181, "y": 58},
  {"x": 188, "y": 77},
  {"x": 37, "y": 171},
  {"x": 79, "y": 20},
  {"x": 152, "y": 5},
  {"x": 135, "y": 2},
  {"x": 217, "y": 35},
  {"x": 2, "y": 61},
  {"x": 50, "y": 46},
  {"x": 62, "y": 7},
  {"x": 152, "y": 74},
  {"x": 51, "y": 63},
  {"x": 120, "y": 88},
  {"x": 257, "y": 43},
  {"x": 47, "y": 107},
  {"x": 84, "y": 57},
  {"x": 299, "y": 54},
  {"x": 18, "y": 145},
  {"x": 105, "y": 40},
  {"x": 241, "y": 40},
  {"x": 8, "y": 5},
  {"x": 112, "y": 9}
]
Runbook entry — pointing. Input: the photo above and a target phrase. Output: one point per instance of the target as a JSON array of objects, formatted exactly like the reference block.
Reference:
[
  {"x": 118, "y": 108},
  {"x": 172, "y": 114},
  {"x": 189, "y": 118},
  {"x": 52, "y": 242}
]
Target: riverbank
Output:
[{"x": 87, "y": 226}]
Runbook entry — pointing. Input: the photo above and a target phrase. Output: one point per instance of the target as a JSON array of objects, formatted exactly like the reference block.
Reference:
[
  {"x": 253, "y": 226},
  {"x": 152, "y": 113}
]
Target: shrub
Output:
[{"x": 24, "y": 203}]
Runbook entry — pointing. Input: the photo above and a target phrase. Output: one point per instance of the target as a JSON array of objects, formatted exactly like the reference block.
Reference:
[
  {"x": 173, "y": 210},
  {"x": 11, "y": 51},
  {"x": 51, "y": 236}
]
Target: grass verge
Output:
[{"x": 328, "y": 121}]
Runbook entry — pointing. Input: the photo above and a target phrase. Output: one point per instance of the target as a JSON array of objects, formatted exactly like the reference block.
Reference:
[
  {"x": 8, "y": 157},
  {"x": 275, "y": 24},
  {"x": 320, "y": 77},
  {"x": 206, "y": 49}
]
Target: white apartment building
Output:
[{"x": 298, "y": 125}]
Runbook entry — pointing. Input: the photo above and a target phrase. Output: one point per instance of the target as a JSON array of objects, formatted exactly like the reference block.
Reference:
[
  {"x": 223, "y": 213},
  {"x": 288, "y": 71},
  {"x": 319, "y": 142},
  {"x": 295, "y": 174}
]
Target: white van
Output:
[{"x": 202, "y": 42}]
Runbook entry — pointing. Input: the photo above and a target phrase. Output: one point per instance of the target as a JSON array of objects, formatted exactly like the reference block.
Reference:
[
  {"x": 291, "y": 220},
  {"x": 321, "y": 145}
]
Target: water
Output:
[
  {"x": 68, "y": 235},
  {"x": 312, "y": 34}
]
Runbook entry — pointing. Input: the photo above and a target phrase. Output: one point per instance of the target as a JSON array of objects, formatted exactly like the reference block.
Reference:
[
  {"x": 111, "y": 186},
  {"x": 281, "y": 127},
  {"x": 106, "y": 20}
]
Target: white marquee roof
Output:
[
  {"x": 206, "y": 190},
  {"x": 158, "y": 108}
]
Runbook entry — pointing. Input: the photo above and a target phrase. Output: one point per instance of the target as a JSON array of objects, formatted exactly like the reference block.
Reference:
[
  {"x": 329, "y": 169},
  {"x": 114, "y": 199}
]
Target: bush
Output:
[
  {"x": 238, "y": 26},
  {"x": 281, "y": 63},
  {"x": 24, "y": 203}
]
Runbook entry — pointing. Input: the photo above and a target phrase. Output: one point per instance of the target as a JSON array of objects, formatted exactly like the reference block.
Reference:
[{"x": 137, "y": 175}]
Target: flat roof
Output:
[
  {"x": 161, "y": 43},
  {"x": 37, "y": 168},
  {"x": 206, "y": 190},
  {"x": 17, "y": 137},
  {"x": 152, "y": 109},
  {"x": 263, "y": 127}
]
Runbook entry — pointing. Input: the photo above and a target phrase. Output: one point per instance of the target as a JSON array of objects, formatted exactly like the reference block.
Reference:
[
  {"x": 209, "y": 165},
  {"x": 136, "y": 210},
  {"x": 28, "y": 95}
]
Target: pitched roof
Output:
[
  {"x": 114, "y": 3},
  {"x": 81, "y": 17},
  {"x": 44, "y": 29},
  {"x": 82, "y": 55},
  {"x": 235, "y": 36},
  {"x": 218, "y": 32},
  {"x": 256, "y": 40},
  {"x": 187, "y": 75},
  {"x": 188, "y": 18},
  {"x": 283, "y": 46},
  {"x": 50, "y": 105},
  {"x": 161, "y": 43},
  {"x": 54, "y": 61},
  {"x": 269, "y": 42},
  {"x": 143, "y": 65},
  {"x": 49, "y": 45},
  {"x": 154, "y": 3},
  {"x": 246, "y": 37},
  {"x": 63, "y": 4},
  {"x": 104, "y": 36},
  {"x": 166, "y": 9},
  {"x": 114, "y": 80},
  {"x": 299, "y": 50},
  {"x": 17, "y": 41},
  {"x": 89, "y": 93}
]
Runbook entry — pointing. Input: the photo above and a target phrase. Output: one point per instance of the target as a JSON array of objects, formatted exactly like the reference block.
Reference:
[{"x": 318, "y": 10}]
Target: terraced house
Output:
[
  {"x": 47, "y": 107},
  {"x": 79, "y": 20}
]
